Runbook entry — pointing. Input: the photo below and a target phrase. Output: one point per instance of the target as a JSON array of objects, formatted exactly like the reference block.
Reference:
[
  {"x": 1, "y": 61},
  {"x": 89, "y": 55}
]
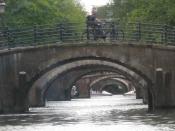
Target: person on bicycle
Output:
[
  {"x": 95, "y": 25},
  {"x": 91, "y": 19}
]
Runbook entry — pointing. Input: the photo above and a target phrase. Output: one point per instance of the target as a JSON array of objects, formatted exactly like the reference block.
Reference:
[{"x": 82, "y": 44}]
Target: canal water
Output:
[{"x": 100, "y": 113}]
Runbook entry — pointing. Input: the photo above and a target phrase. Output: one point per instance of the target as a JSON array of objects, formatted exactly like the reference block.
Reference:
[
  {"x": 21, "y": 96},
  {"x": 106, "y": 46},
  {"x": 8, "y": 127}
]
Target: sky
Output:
[{"x": 88, "y": 4}]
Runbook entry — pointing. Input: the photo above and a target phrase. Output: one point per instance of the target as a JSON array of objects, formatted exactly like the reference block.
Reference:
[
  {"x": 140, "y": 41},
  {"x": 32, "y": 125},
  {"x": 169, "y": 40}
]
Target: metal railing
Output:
[{"x": 81, "y": 32}]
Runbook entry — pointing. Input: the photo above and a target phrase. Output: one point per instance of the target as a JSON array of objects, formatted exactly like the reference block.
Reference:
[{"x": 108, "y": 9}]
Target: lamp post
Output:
[
  {"x": 2, "y": 10},
  {"x": 2, "y": 6}
]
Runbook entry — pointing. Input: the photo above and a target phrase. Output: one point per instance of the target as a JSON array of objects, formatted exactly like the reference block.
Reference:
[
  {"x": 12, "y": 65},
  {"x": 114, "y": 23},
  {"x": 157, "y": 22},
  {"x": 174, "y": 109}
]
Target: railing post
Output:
[
  {"x": 138, "y": 31},
  {"x": 6, "y": 33},
  {"x": 165, "y": 31},
  {"x": 61, "y": 32},
  {"x": 35, "y": 35},
  {"x": 87, "y": 30},
  {"x": 58, "y": 31}
]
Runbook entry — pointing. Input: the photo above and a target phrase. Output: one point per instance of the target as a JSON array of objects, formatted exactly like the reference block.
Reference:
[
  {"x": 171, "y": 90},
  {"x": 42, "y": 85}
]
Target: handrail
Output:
[{"x": 66, "y": 32}]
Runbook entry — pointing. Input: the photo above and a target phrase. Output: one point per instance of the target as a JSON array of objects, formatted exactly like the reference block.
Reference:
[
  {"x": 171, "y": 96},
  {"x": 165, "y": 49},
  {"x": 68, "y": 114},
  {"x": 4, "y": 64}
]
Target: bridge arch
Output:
[
  {"x": 119, "y": 78},
  {"x": 85, "y": 81},
  {"x": 42, "y": 83},
  {"x": 100, "y": 83},
  {"x": 87, "y": 78},
  {"x": 138, "y": 86},
  {"x": 68, "y": 79},
  {"x": 106, "y": 84}
]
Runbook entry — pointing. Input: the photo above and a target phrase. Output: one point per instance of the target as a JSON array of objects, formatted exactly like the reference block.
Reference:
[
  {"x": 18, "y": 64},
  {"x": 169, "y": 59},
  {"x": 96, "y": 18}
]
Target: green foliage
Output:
[
  {"x": 30, "y": 12},
  {"x": 102, "y": 12},
  {"x": 153, "y": 11}
]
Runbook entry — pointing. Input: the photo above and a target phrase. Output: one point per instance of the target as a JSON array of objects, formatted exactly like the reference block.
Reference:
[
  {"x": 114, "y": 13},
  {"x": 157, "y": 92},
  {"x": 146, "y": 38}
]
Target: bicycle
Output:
[
  {"x": 115, "y": 33},
  {"x": 103, "y": 31},
  {"x": 94, "y": 32}
]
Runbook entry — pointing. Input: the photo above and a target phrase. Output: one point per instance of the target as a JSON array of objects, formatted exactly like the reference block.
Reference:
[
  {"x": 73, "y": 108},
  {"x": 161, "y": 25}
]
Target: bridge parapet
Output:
[{"x": 78, "y": 32}]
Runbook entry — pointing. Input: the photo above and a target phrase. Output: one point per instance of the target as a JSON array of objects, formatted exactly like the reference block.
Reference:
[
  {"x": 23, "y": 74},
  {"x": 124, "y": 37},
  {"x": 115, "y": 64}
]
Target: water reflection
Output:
[{"x": 102, "y": 113}]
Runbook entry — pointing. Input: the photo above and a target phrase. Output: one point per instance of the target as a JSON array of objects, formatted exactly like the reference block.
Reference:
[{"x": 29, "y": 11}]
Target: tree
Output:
[
  {"x": 30, "y": 12},
  {"x": 156, "y": 11}
]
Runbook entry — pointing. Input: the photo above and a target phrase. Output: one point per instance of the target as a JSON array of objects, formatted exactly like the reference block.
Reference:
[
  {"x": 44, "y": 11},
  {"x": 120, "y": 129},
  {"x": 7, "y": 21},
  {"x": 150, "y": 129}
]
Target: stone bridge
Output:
[
  {"x": 84, "y": 85},
  {"x": 26, "y": 73},
  {"x": 111, "y": 85},
  {"x": 56, "y": 91}
]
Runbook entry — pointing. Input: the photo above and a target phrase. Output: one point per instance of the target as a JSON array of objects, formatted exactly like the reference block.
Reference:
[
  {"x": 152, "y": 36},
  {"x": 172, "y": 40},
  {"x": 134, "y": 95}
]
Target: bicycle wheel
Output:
[
  {"x": 120, "y": 35},
  {"x": 117, "y": 35},
  {"x": 88, "y": 36},
  {"x": 84, "y": 36}
]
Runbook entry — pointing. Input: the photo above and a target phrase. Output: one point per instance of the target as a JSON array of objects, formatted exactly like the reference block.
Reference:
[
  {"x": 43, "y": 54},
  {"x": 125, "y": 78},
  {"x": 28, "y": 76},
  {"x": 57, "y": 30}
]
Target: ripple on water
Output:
[{"x": 121, "y": 113}]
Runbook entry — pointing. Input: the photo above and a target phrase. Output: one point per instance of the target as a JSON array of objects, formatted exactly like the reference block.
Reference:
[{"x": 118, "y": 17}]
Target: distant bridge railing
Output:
[{"x": 81, "y": 32}]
